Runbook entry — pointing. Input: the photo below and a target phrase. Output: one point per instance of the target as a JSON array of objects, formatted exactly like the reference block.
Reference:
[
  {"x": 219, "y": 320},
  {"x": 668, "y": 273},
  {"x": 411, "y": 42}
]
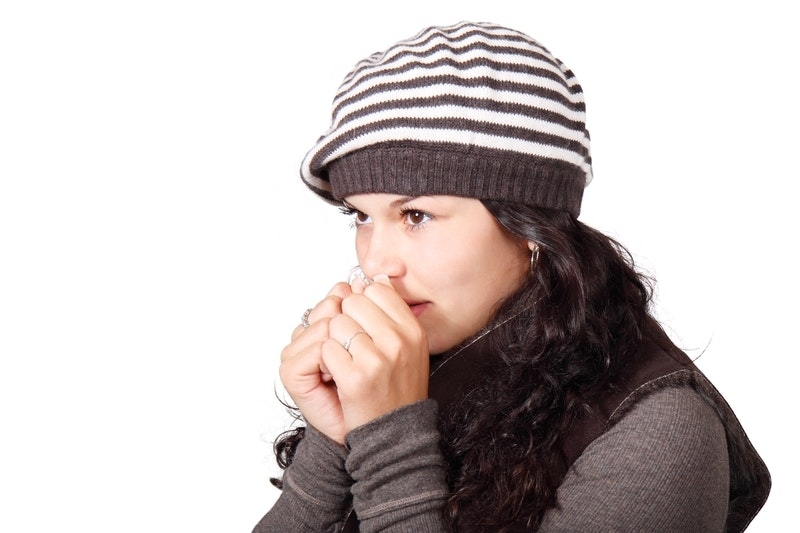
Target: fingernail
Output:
[{"x": 382, "y": 278}]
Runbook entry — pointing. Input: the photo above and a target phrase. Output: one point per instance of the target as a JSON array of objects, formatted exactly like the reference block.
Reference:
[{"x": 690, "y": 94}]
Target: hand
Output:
[
  {"x": 383, "y": 370},
  {"x": 304, "y": 374}
]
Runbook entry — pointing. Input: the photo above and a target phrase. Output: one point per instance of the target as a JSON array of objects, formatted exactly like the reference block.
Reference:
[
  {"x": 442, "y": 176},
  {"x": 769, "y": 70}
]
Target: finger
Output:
[
  {"x": 328, "y": 307},
  {"x": 340, "y": 290},
  {"x": 331, "y": 305},
  {"x": 302, "y": 372},
  {"x": 337, "y": 360},
  {"x": 302, "y": 338},
  {"x": 296, "y": 332},
  {"x": 357, "y": 280},
  {"x": 343, "y": 329},
  {"x": 388, "y": 299},
  {"x": 394, "y": 330},
  {"x": 377, "y": 297},
  {"x": 325, "y": 374},
  {"x": 301, "y": 331}
]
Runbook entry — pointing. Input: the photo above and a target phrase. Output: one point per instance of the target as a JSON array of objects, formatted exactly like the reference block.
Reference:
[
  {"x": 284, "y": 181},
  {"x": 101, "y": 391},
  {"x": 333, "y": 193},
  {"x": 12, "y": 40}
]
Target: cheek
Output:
[
  {"x": 462, "y": 280},
  {"x": 487, "y": 278},
  {"x": 442, "y": 264},
  {"x": 361, "y": 242}
]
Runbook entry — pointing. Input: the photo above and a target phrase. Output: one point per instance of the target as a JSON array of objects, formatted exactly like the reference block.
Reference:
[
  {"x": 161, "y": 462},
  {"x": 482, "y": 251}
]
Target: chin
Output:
[{"x": 436, "y": 347}]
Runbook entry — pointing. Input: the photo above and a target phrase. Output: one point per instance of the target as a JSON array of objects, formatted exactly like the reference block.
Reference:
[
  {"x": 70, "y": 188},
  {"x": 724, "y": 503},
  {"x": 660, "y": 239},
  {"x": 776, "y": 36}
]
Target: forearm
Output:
[
  {"x": 393, "y": 476},
  {"x": 315, "y": 495},
  {"x": 399, "y": 471}
]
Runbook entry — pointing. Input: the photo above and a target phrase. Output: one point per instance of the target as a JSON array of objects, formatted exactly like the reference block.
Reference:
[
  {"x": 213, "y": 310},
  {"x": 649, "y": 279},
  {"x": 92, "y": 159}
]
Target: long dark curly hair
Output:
[{"x": 577, "y": 319}]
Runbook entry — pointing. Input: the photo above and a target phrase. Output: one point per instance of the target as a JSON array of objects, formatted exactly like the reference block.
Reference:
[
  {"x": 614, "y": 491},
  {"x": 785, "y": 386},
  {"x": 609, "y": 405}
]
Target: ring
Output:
[
  {"x": 304, "y": 320},
  {"x": 346, "y": 344}
]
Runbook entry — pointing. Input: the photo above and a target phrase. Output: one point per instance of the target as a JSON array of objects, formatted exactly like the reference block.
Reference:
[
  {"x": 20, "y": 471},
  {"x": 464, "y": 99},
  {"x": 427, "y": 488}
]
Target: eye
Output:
[
  {"x": 359, "y": 217},
  {"x": 415, "y": 218}
]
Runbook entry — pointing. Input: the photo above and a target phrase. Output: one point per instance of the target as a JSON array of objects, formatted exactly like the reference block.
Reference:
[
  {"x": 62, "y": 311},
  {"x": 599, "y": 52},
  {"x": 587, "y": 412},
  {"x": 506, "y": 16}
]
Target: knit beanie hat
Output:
[{"x": 472, "y": 109}]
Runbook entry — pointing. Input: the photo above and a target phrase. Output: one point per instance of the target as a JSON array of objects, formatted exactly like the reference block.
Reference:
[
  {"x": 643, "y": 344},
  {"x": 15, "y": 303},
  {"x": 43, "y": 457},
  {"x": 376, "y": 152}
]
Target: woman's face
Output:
[{"x": 447, "y": 256}]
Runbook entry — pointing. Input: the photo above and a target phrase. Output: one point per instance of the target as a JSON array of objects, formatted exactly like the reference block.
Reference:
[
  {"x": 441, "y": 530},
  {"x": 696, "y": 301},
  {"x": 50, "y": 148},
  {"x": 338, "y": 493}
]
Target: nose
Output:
[{"x": 379, "y": 251}]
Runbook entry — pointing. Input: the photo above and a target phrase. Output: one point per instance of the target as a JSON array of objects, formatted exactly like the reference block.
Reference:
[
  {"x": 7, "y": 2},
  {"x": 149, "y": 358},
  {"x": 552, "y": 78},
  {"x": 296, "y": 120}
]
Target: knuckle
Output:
[
  {"x": 286, "y": 353},
  {"x": 349, "y": 302},
  {"x": 330, "y": 346},
  {"x": 331, "y": 303},
  {"x": 340, "y": 290},
  {"x": 337, "y": 324}
]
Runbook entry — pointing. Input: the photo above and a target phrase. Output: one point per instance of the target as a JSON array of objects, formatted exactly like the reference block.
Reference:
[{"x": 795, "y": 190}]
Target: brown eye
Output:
[
  {"x": 358, "y": 217},
  {"x": 361, "y": 217},
  {"x": 416, "y": 218}
]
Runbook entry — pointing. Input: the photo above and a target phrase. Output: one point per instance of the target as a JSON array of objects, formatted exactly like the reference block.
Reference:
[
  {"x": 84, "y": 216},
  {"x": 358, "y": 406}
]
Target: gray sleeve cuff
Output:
[
  {"x": 317, "y": 473},
  {"x": 316, "y": 489},
  {"x": 398, "y": 469}
]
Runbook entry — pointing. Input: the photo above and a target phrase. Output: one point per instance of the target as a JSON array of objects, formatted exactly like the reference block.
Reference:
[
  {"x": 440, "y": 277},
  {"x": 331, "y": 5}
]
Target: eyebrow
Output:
[
  {"x": 394, "y": 204},
  {"x": 404, "y": 200}
]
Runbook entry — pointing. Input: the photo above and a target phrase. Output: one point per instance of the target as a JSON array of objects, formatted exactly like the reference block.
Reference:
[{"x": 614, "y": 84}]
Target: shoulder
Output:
[
  {"x": 676, "y": 416},
  {"x": 671, "y": 432},
  {"x": 662, "y": 466}
]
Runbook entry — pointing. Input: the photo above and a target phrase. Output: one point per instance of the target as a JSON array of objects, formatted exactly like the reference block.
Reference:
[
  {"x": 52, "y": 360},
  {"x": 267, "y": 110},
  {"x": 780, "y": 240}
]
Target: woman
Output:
[{"x": 496, "y": 368}]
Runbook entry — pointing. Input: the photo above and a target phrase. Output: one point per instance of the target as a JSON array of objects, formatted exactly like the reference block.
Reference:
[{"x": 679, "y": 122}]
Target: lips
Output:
[{"x": 418, "y": 308}]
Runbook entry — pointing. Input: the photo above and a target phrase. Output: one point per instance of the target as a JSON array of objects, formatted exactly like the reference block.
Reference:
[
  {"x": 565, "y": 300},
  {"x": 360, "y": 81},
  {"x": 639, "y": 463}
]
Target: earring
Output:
[{"x": 534, "y": 257}]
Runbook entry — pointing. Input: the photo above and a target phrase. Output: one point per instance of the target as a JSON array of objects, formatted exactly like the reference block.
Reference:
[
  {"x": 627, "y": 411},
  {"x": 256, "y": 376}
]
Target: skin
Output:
[{"x": 440, "y": 265}]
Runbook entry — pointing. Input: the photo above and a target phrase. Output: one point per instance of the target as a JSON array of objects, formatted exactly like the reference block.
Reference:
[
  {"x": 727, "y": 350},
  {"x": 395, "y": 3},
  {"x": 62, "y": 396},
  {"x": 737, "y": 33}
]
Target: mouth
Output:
[{"x": 418, "y": 308}]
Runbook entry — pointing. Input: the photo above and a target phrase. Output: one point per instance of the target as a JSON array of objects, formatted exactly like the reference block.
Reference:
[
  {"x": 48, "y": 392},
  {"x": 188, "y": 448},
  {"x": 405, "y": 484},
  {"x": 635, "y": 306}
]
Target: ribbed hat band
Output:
[{"x": 472, "y": 110}]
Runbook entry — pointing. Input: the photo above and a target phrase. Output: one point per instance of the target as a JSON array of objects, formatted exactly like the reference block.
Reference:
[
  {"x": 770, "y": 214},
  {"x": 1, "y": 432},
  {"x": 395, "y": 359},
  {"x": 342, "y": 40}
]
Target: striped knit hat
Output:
[{"x": 473, "y": 110}]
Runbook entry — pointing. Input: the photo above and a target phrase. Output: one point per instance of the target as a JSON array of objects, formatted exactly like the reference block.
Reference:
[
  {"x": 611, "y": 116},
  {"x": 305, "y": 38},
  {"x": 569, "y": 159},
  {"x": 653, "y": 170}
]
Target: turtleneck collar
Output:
[{"x": 455, "y": 372}]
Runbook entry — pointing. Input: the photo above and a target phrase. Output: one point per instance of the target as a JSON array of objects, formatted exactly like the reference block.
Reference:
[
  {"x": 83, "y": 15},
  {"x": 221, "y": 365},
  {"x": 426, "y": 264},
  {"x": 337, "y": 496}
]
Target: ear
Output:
[{"x": 532, "y": 246}]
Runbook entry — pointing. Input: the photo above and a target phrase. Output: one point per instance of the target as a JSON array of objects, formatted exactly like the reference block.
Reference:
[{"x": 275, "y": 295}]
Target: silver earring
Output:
[{"x": 534, "y": 258}]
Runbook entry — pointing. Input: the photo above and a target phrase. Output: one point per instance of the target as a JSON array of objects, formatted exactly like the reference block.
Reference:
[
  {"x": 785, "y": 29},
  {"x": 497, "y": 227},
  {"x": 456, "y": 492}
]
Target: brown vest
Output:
[{"x": 658, "y": 364}]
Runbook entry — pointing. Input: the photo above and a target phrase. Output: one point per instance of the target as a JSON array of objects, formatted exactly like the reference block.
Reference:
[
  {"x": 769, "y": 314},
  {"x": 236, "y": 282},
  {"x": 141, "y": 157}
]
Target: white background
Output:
[{"x": 157, "y": 246}]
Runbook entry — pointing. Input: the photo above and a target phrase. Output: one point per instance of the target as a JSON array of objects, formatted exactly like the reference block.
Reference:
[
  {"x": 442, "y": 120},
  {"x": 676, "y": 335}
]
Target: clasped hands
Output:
[{"x": 359, "y": 354}]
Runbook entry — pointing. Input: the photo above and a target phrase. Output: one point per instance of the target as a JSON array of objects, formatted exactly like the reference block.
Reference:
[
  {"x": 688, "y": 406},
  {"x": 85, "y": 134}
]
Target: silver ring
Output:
[
  {"x": 346, "y": 344},
  {"x": 304, "y": 320}
]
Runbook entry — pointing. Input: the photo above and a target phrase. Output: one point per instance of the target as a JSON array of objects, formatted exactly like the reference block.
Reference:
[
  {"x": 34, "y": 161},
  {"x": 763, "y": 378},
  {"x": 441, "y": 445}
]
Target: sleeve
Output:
[
  {"x": 399, "y": 471},
  {"x": 316, "y": 489},
  {"x": 662, "y": 467}
]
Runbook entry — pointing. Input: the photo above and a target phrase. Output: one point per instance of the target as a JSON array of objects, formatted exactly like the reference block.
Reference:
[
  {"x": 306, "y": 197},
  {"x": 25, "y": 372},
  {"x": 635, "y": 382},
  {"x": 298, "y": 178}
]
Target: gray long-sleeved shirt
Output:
[{"x": 662, "y": 467}]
